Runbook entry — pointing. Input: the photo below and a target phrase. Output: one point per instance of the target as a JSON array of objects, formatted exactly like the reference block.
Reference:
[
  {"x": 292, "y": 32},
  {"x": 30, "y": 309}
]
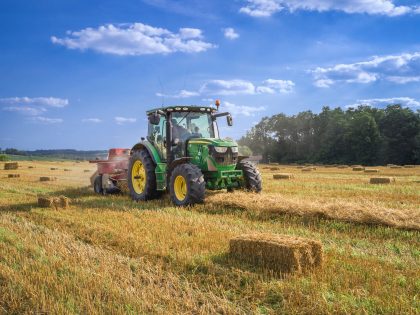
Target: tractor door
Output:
[{"x": 157, "y": 136}]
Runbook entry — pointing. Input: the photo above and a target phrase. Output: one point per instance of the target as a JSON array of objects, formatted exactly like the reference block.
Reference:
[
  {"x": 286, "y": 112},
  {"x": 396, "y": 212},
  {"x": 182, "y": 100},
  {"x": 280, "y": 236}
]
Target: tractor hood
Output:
[{"x": 214, "y": 141}]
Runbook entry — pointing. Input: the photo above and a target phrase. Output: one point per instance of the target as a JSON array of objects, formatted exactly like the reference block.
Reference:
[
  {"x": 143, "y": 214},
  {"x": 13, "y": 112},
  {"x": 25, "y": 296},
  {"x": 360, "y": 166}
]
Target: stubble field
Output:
[{"x": 109, "y": 255}]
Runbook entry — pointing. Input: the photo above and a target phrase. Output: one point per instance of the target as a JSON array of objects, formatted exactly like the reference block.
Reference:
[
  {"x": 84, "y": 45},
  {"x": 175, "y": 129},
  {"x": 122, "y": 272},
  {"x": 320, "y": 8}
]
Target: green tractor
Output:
[{"x": 183, "y": 154}]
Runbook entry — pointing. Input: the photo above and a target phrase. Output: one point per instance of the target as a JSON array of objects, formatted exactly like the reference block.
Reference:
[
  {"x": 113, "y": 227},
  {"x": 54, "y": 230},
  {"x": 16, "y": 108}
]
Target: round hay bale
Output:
[
  {"x": 11, "y": 166},
  {"x": 358, "y": 168},
  {"x": 382, "y": 180},
  {"x": 45, "y": 202},
  {"x": 13, "y": 175},
  {"x": 371, "y": 170},
  {"x": 283, "y": 176}
]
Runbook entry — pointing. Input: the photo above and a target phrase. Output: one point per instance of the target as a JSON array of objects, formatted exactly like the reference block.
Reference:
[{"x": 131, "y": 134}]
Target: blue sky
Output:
[{"x": 81, "y": 74}]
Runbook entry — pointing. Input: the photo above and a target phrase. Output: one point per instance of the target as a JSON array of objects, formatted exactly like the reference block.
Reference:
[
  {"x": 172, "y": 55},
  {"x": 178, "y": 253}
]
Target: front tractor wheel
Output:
[
  {"x": 187, "y": 185},
  {"x": 141, "y": 176},
  {"x": 252, "y": 176}
]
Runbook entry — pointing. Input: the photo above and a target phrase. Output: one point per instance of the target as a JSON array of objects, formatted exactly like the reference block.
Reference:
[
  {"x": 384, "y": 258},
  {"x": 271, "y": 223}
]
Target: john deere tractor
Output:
[{"x": 184, "y": 154}]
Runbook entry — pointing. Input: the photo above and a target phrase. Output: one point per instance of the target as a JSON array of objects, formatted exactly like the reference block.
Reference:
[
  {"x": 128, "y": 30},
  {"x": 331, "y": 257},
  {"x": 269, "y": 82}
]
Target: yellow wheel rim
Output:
[
  {"x": 180, "y": 188},
  {"x": 138, "y": 177}
]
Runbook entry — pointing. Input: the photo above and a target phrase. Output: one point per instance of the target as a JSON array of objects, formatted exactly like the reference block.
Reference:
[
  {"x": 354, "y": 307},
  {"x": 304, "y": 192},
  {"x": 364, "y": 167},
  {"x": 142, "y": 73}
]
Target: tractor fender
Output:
[
  {"x": 177, "y": 162},
  {"x": 150, "y": 148}
]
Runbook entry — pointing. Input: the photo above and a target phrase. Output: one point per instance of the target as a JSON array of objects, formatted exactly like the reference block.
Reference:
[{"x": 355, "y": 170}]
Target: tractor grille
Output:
[{"x": 224, "y": 159}]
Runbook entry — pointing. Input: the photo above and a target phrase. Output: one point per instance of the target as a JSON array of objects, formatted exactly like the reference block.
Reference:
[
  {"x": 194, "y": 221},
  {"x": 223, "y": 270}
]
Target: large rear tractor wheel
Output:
[
  {"x": 252, "y": 176},
  {"x": 141, "y": 176},
  {"x": 187, "y": 185}
]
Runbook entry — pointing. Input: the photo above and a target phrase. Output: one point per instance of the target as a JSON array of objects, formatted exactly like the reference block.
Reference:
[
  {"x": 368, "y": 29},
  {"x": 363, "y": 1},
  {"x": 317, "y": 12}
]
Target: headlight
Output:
[
  {"x": 220, "y": 149},
  {"x": 234, "y": 149}
]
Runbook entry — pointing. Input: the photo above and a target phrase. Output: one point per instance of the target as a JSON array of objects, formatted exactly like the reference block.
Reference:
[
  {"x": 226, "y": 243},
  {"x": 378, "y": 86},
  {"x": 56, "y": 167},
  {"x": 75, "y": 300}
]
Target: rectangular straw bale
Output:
[
  {"x": 307, "y": 169},
  {"x": 342, "y": 166},
  {"x": 371, "y": 170},
  {"x": 45, "y": 202},
  {"x": 358, "y": 168},
  {"x": 11, "y": 166},
  {"x": 382, "y": 180},
  {"x": 280, "y": 253},
  {"x": 409, "y": 166},
  {"x": 13, "y": 175},
  {"x": 61, "y": 202},
  {"x": 395, "y": 166},
  {"x": 86, "y": 171},
  {"x": 274, "y": 168},
  {"x": 283, "y": 176},
  {"x": 30, "y": 166},
  {"x": 67, "y": 170},
  {"x": 54, "y": 168},
  {"x": 46, "y": 178},
  {"x": 300, "y": 166}
]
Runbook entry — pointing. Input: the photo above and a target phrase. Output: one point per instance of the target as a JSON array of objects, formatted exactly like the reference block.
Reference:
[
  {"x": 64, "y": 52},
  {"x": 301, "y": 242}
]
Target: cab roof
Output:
[{"x": 183, "y": 108}]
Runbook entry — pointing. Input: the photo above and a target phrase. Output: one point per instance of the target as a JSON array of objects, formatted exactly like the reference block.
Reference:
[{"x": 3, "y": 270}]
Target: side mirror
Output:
[
  {"x": 154, "y": 118},
  {"x": 229, "y": 120}
]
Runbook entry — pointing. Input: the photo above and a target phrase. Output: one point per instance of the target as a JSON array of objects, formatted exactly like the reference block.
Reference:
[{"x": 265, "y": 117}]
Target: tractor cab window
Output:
[
  {"x": 157, "y": 136},
  {"x": 189, "y": 125}
]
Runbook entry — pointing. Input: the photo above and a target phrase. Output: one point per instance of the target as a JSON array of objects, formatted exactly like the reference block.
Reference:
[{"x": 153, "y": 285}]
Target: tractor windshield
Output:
[{"x": 193, "y": 125}]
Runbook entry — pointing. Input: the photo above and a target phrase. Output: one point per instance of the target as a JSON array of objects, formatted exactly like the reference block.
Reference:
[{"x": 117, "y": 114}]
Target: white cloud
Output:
[
  {"x": 92, "y": 120},
  {"x": 134, "y": 39},
  {"x": 382, "y": 102},
  {"x": 180, "y": 94},
  {"x": 401, "y": 69},
  {"x": 242, "y": 110},
  {"x": 230, "y": 33},
  {"x": 238, "y": 87},
  {"x": 25, "y": 110},
  {"x": 46, "y": 120},
  {"x": 227, "y": 87},
  {"x": 124, "y": 120},
  {"x": 35, "y": 101},
  {"x": 272, "y": 86},
  {"x": 266, "y": 8}
]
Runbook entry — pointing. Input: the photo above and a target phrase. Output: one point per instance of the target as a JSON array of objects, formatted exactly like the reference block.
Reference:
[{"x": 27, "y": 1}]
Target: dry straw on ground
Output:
[
  {"x": 308, "y": 169},
  {"x": 371, "y": 170},
  {"x": 267, "y": 206},
  {"x": 11, "y": 166},
  {"x": 280, "y": 253},
  {"x": 358, "y": 168},
  {"x": 382, "y": 180},
  {"x": 283, "y": 176},
  {"x": 13, "y": 175}
]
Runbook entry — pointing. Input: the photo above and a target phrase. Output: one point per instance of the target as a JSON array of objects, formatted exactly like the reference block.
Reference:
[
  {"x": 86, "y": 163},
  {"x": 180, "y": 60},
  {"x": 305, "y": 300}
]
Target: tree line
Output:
[{"x": 362, "y": 135}]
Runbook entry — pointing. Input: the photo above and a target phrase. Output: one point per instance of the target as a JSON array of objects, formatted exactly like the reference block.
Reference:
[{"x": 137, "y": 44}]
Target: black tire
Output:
[
  {"x": 252, "y": 176},
  {"x": 97, "y": 185},
  {"x": 195, "y": 185},
  {"x": 149, "y": 192}
]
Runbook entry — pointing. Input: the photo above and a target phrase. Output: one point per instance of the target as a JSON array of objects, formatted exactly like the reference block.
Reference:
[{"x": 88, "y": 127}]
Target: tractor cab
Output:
[{"x": 183, "y": 153}]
